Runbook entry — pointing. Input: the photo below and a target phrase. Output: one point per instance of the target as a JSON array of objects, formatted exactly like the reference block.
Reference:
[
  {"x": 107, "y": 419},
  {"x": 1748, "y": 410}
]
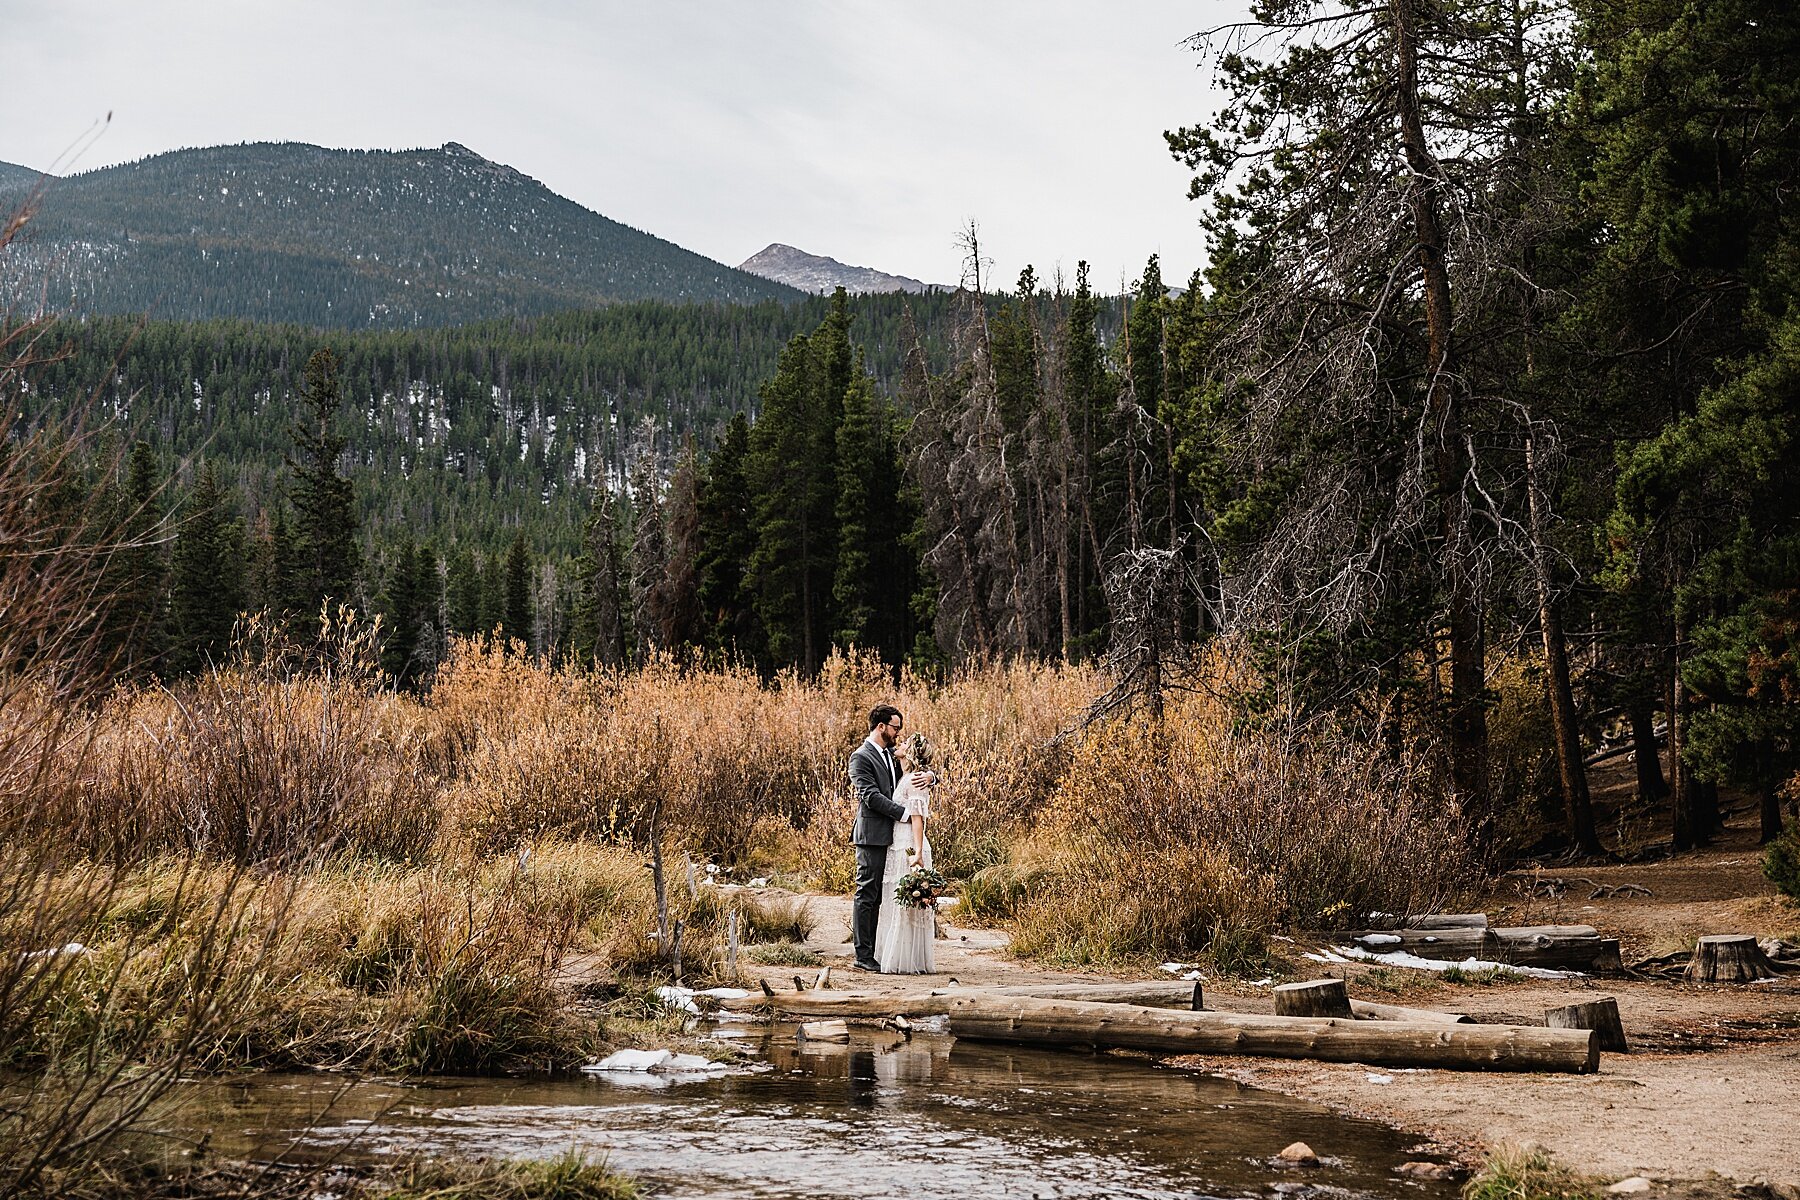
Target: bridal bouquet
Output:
[{"x": 920, "y": 888}]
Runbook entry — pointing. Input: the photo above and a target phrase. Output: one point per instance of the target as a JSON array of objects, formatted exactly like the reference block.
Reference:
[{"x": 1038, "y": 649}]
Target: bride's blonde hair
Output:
[{"x": 917, "y": 750}]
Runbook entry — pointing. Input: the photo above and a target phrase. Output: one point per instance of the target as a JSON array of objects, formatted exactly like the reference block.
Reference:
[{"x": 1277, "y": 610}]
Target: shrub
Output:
[
  {"x": 1781, "y": 860},
  {"x": 1158, "y": 846},
  {"x": 1527, "y": 1173},
  {"x": 783, "y": 954}
]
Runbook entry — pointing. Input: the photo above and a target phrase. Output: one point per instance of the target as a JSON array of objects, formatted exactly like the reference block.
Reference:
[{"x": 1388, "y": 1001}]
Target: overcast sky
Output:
[{"x": 869, "y": 131}]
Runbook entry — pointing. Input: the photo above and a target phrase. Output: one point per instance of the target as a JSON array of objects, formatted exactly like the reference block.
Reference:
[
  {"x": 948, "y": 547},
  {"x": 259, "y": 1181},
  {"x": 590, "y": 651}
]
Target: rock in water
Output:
[{"x": 1298, "y": 1154}]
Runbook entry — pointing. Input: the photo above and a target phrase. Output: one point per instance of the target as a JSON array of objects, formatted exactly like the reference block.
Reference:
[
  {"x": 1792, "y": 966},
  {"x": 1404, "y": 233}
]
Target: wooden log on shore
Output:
[
  {"x": 1368, "y": 1010},
  {"x": 980, "y": 1017},
  {"x": 1728, "y": 958},
  {"x": 1312, "y": 998},
  {"x": 1563, "y": 947},
  {"x": 1601, "y": 1016},
  {"x": 1446, "y": 921},
  {"x": 882, "y": 1005},
  {"x": 1153, "y": 993},
  {"x": 872, "y": 1005}
]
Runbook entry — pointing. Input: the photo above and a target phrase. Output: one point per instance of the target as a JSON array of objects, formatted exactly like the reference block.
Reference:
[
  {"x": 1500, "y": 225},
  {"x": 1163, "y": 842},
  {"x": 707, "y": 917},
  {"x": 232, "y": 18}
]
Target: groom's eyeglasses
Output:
[{"x": 893, "y": 726}]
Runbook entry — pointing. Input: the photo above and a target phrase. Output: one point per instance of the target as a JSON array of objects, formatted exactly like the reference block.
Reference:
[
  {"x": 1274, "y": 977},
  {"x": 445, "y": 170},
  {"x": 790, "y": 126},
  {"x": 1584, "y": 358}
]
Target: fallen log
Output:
[
  {"x": 1024, "y": 1019},
  {"x": 1446, "y": 921},
  {"x": 1155, "y": 993},
  {"x": 1563, "y": 947},
  {"x": 1368, "y": 1010},
  {"x": 856, "y": 1004}
]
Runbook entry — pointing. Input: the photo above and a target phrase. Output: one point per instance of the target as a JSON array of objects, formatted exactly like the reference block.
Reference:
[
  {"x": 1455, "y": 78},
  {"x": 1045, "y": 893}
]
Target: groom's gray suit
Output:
[{"x": 873, "y": 776}]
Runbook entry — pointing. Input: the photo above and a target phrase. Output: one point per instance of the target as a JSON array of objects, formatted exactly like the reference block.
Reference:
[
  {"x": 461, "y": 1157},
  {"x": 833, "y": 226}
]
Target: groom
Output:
[{"x": 874, "y": 773}]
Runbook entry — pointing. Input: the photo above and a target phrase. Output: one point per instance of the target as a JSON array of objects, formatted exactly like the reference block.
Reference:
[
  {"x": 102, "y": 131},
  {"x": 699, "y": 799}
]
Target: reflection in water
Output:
[{"x": 879, "y": 1117}]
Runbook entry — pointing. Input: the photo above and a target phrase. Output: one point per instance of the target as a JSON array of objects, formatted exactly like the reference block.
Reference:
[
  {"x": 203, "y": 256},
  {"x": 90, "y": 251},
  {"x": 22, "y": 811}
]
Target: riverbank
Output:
[{"x": 1704, "y": 1099}]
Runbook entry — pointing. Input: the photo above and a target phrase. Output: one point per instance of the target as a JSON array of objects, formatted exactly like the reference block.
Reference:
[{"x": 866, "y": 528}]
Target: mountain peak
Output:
[
  {"x": 285, "y": 231},
  {"x": 816, "y": 273}
]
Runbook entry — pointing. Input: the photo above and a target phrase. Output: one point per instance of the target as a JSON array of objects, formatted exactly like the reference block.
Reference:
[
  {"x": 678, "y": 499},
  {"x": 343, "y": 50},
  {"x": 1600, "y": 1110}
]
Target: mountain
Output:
[
  {"x": 816, "y": 273},
  {"x": 340, "y": 239}
]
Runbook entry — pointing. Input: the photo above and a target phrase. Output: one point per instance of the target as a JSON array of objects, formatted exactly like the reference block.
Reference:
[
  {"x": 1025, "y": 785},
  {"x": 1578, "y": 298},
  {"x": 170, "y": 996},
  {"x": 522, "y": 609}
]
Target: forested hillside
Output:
[{"x": 340, "y": 239}]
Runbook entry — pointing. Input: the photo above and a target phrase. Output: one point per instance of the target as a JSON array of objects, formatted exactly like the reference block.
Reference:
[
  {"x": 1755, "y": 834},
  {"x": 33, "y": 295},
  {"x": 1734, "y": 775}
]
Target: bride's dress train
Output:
[{"x": 904, "y": 936}]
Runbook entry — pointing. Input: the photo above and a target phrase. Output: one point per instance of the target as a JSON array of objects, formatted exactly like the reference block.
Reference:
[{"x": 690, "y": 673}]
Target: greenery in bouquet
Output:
[{"x": 920, "y": 888}]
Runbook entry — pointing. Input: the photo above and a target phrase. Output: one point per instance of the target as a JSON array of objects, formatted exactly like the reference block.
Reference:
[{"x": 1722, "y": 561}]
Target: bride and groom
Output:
[{"x": 893, "y": 799}]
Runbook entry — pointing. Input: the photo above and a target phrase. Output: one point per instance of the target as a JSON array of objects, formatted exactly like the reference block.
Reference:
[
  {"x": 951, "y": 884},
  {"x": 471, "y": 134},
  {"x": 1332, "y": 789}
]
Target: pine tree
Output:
[
  {"x": 400, "y": 605},
  {"x": 793, "y": 477},
  {"x": 324, "y": 503},
  {"x": 516, "y": 610},
  {"x": 648, "y": 556},
  {"x": 462, "y": 588},
  {"x": 727, "y": 538},
  {"x": 679, "y": 592},
  {"x": 207, "y": 588},
  {"x": 599, "y": 628}
]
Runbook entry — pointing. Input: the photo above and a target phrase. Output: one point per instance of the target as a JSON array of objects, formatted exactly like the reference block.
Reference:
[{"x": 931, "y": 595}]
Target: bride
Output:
[{"x": 903, "y": 936}]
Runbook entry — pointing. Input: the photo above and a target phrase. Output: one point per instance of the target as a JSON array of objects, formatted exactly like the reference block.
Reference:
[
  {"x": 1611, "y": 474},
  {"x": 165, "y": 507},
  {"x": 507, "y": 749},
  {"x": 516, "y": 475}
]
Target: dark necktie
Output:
[{"x": 893, "y": 768}]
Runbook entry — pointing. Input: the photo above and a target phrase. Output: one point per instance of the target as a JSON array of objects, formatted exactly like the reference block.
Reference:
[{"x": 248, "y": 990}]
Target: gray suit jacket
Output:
[{"x": 873, "y": 787}]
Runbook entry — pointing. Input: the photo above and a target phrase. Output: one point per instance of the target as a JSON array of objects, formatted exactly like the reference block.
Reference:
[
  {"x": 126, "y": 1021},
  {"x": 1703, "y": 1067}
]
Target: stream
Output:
[{"x": 879, "y": 1117}]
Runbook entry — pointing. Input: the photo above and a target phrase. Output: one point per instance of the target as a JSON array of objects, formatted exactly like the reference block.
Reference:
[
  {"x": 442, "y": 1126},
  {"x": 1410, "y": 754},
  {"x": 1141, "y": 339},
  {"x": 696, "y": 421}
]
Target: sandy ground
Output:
[{"x": 1710, "y": 1090}]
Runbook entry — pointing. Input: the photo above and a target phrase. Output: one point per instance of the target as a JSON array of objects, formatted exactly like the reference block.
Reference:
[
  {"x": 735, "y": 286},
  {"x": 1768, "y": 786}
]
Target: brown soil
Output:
[{"x": 1707, "y": 1094}]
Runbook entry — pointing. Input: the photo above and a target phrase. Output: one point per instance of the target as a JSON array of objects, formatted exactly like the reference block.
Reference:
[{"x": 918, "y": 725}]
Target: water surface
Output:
[{"x": 881, "y": 1117}]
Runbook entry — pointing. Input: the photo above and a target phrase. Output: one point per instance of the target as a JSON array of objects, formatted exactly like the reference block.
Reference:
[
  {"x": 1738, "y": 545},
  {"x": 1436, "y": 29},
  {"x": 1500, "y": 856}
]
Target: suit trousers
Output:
[{"x": 871, "y": 867}]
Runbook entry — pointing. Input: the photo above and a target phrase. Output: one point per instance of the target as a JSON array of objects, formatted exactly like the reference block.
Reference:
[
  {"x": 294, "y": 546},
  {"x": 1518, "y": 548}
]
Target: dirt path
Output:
[{"x": 1712, "y": 1087}]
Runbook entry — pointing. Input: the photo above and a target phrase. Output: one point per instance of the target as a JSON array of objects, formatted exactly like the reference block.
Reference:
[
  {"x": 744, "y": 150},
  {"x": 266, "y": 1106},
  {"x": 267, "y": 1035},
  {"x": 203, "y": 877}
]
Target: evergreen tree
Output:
[
  {"x": 793, "y": 477},
  {"x": 678, "y": 604},
  {"x": 599, "y": 628},
  {"x": 208, "y": 579},
  {"x": 648, "y": 556},
  {"x": 400, "y": 604},
  {"x": 324, "y": 503},
  {"x": 727, "y": 538},
  {"x": 462, "y": 587},
  {"x": 864, "y": 524},
  {"x": 516, "y": 606}
]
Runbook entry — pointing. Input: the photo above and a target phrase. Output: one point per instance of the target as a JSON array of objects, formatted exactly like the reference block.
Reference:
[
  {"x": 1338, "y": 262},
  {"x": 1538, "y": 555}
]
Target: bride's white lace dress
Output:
[{"x": 903, "y": 936}]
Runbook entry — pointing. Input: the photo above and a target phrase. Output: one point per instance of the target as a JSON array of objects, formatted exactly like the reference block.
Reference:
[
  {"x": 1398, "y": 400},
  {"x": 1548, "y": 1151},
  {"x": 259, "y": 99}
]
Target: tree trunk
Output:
[
  {"x": 1468, "y": 669},
  {"x": 1650, "y": 784},
  {"x": 1728, "y": 958},
  {"x": 1377, "y": 1043},
  {"x": 1601, "y": 1016},
  {"x": 1770, "y": 808},
  {"x": 1681, "y": 814},
  {"x": 1565, "y": 723},
  {"x": 1312, "y": 998}
]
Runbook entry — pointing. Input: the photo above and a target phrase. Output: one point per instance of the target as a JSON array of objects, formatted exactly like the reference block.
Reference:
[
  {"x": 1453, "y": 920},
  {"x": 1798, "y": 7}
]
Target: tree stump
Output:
[
  {"x": 1198, "y": 1003},
  {"x": 1313, "y": 998},
  {"x": 1728, "y": 958},
  {"x": 1601, "y": 1016}
]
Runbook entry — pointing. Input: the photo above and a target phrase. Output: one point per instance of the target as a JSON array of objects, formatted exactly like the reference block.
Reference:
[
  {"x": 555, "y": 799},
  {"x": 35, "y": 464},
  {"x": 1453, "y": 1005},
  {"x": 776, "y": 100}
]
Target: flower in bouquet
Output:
[{"x": 920, "y": 888}]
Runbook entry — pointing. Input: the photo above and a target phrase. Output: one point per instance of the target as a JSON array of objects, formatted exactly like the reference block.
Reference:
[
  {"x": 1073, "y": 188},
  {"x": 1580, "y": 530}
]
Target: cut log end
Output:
[
  {"x": 1728, "y": 958},
  {"x": 1601, "y": 1016},
  {"x": 1313, "y": 998}
]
